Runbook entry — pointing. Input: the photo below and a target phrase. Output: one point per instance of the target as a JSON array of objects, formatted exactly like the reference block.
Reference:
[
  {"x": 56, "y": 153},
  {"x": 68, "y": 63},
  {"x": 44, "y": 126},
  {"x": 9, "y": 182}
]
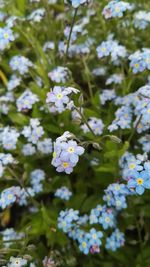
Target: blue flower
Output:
[
  {"x": 59, "y": 74},
  {"x": 107, "y": 220},
  {"x": 116, "y": 8},
  {"x": 141, "y": 19},
  {"x": 96, "y": 125},
  {"x": 26, "y": 100},
  {"x": 140, "y": 60},
  {"x": 6, "y": 36},
  {"x": 36, "y": 177},
  {"x": 17, "y": 262},
  {"x": 116, "y": 240},
  {"x": 84, "y": 245},
  {"x": 63, "y": 193},
  {"x": 66, "y": 154},
  {"x": 71, "y": 151},
  {"x": 21, "y": 64},
  {"x": 66, "y": 219},
  {"x": 140, "y": 181},
  {"x": 95, "y": 237}
]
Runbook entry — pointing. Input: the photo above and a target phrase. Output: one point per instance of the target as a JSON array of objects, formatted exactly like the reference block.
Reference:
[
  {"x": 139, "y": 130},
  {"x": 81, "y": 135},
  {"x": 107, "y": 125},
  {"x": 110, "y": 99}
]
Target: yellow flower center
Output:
[
  {"x": 117, "y": 187},
  {"x": 103, "y": 49},
  {"x": 70, "y": 149},
  {"x": 59, "y": 96},
  {"x": 139, "y": 126},
  {"x": 136, "y": 65},
  {"x": 54, "y": 154},
  {"x": 132, "y": 166},
  {"x": 10, "y": 196},
  {"x": 107, "y": 219},
  {"x": 6, "y": 35},
  {"x": 84, "y": 244},
  {"x": 108, "y": 197},
  {"x": 94, "y": 236},
  {"x": 148, "y": 111},
  {"x": 65, "y": 164},
  {"x": 140, "y": 181},
  {"x": 117, "y": 9}
]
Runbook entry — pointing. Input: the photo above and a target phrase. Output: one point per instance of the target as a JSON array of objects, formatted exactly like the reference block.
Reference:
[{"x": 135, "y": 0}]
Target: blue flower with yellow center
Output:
[{"x": 139, "y": 181}]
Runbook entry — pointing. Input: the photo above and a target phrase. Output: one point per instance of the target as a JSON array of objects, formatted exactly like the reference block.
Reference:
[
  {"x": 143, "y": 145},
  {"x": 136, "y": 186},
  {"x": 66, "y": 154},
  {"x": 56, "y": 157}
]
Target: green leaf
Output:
[
  {"x": 18, "y": 118},
  {"x": 21, "y": 5}
]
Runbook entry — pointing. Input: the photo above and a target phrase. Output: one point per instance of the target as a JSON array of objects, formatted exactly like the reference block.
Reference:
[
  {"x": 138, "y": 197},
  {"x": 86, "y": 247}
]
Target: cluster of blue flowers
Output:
[
  {"x": 15, "y": 194},
  {"x": 107, "y": 95},
  {"x": 123, "y": 119},
  {"x": 115, "y": 197},
  {"x": 116, "y": 8},
  {"x": 115, "y": 78},
  {"x": 89, "y": 242},
  {"x": 96, "y": 125},
  {"x": 115, "y": 241},
  {"x": 34, "y": 131},
  {"x": 111, "y": 48},
  {"x": 59, "y": 99},
  {"x": 8, "y": 138},
  {"x": 13, "y": 82},
  {"x": 26, "y": 100},
  {"x": 140, "y": 60},
  {"x": 133, "y": 105},
  {"x": 142, "y": 19},
  {"x": 36, "y": 177},
  {"x": 20, "y": 64},
  {"x": 59, "y": 74},
  {"x": 37, "y": 15},
  {"x": 9, "y": 234},
  {"x": 43, "y": 146},
  {"x": 66, "y": 153},
  {"x": 63, "y": 193},
  {"x": 136, "y": 171}
]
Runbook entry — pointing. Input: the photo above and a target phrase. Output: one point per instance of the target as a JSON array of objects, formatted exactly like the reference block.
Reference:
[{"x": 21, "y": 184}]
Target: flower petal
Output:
[{"x": 139, "y": 189}]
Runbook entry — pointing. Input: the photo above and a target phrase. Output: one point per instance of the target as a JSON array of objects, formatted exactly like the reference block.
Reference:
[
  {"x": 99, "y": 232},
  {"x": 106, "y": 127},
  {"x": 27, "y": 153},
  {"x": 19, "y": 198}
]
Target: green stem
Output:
[
  {"x": 87, "y": 72},
  {"x": 5, "y": 251},
  {"x": 3, "y": 77},
  {"x": 85, "y": 121},
  {"x": 140, "y": 240},
  {"x": 72, "y": 24}
]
